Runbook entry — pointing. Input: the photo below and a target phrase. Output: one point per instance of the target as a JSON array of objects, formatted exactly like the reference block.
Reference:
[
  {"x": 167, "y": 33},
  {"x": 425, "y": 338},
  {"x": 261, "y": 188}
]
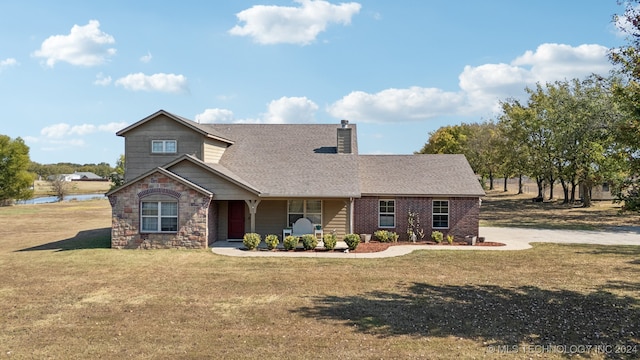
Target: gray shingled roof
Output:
[
  {"x": 421, "y": 175},
  {"x": 283, "y": 160}
]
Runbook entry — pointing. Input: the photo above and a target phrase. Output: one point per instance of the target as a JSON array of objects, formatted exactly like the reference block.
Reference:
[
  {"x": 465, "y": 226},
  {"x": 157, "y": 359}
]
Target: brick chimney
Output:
[{"x": 344, "y": 138}]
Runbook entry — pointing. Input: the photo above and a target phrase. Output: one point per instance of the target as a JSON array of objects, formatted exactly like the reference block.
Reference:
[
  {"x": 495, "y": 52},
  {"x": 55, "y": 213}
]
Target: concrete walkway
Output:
[{"x": 513, "y": 238}]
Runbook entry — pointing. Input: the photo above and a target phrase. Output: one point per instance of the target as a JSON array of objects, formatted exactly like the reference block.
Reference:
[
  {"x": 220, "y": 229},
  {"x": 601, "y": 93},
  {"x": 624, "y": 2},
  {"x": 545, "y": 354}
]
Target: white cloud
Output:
[
  {"x": 62, "y": 130},
  {"x": 290, "y": 110},
  {"x": 391, "y": 105},
  {"x": 551, "y": 62},
  {"x": 292, "y": 25},
  {"x": 210, "y": 116},
  {"x": 55, "y": 131},
  {"x": 161, "y": 82},
  {"x": 146, "y": 58},
  {"x": 285, "y": 110},
  {"x": 481, "y": 87},
  {"x": 485, "y": 85},
  {"x": 85, "y": 46},
  {"x": 8, "y": 63},
  {"x": 112, "y": 127},
  {"x": 102, "y": 80}
]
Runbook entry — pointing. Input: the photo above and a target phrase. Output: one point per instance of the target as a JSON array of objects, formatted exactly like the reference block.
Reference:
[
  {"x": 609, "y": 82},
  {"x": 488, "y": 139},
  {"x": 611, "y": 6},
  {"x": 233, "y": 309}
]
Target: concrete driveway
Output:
[
  {"x": 522, "y": 237},
  {"x": 513, "y": 238}
]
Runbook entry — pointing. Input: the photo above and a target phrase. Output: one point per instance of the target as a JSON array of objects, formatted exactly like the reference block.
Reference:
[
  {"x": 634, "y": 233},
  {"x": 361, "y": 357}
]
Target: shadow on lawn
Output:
[
  {"x": 494, "y": 314},
  {"x": 88, "y": 239},
  {"x": 624, "y": 250}
]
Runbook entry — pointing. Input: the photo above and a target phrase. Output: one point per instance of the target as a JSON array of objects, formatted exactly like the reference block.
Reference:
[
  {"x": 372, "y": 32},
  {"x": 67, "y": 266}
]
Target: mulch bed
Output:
[{"x": 376, "y": 246}]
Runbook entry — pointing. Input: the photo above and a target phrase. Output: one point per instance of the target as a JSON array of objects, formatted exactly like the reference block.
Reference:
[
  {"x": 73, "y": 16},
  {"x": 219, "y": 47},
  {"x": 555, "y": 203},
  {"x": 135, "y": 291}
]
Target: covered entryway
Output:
[{"x": 236, "y": 220}]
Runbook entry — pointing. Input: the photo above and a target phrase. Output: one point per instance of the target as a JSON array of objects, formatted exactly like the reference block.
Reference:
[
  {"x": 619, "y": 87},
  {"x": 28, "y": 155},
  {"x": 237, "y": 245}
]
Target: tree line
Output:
[
  {"x": 567, "y": 132},
  {"x": 18, "y": 172},
  {"x": 103, "y": 169}
]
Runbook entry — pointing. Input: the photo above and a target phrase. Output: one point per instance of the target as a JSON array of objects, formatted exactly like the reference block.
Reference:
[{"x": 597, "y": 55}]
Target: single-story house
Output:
[{"x": 188, "y": 185}]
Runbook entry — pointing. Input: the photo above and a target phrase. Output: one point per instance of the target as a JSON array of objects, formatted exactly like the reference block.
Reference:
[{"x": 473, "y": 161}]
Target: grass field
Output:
[
  {"x": 65, "y": 295},
  {"x": 43, "y": 188}
]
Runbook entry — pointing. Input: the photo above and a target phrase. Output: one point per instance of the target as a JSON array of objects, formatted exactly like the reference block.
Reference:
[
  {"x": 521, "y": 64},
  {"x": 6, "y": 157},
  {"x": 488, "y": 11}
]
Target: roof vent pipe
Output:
[{"x": 344, "y": 123}]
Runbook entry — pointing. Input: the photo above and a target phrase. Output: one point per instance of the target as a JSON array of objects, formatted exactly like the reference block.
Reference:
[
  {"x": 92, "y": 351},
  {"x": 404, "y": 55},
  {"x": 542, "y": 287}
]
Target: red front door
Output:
[{"x": 236, "y": 220}]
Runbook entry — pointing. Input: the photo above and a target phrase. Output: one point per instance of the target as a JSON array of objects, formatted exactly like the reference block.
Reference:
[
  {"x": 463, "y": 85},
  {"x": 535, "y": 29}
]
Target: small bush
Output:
[
  {"x": 272, "y": 241},
  {"x": 251, "y": 240},
  {"x": 290, "y": 242},
  {"x": 381, "y": 235},
  {"x": 352, "y": 241},
  {"x": 330, "y": 241},
  {"x": 450, "y": 239},
  {"x": 309, "y": 242},
  {"x": 437, "y": 236},
  {"x": 386, "y": 236}
]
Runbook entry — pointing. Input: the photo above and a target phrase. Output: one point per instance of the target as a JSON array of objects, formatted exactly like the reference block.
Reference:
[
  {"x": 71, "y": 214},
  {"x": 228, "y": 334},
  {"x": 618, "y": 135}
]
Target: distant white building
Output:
[
  {"x": 64, "y": 177},
  {"x": 78, "y": 175}
]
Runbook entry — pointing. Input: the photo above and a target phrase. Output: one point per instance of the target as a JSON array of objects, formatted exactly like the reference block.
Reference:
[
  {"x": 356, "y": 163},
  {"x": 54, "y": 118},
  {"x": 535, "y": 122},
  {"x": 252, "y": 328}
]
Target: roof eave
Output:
[
  {"x": 206, "y": 167},
  {"x": 167, "y": 173},
  {"x": 179, "y": 119}
]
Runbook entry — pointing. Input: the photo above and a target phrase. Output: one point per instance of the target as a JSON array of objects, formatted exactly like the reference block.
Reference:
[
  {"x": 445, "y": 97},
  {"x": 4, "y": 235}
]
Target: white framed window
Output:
[
  {"x": 310, "y": 209},
  {"x": 164, "y": 146},
  {"x": 440, "y": 211},
  {"x": 387, "y": 213},
  {"x": 159, "y": 216}
]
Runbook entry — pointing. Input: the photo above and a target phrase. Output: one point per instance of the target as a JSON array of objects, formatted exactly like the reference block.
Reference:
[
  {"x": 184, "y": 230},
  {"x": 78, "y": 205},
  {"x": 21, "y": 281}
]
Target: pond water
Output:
[{"x": 51, "y": 199}]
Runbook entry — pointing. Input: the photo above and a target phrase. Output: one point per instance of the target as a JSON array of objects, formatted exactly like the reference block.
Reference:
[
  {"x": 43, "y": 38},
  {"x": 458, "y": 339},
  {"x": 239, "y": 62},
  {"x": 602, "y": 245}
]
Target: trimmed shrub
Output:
[
  {"x": 386, "y": 236},
  {"x": 251, "y": 240},
  {"x": 352, "y": 241},
  {"x": 272, "y": 241},
  {"x": 330, "y": 241},
  {"x": 450, "y": 239},
  {"x": 309, "y": 242},
  {"x": 437, "y": 236},
  {"x": 381, "y": 235},
  {"x": 290, "y": 242}
]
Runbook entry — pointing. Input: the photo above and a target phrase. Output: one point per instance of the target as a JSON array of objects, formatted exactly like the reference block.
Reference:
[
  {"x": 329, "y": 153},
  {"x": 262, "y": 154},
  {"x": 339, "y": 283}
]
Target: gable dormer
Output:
[{"x": 162, "y": 137}]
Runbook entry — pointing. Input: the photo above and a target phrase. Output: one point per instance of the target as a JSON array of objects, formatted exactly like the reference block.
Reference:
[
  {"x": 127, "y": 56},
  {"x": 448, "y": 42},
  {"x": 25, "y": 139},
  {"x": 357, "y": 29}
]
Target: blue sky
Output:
[{"x": 72, "y": 73}]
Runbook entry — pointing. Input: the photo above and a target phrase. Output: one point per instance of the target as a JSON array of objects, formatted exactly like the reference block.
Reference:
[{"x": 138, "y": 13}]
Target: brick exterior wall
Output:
[
  {"x": 464, "y": 216},
  {"x": 193, "y": 212}
]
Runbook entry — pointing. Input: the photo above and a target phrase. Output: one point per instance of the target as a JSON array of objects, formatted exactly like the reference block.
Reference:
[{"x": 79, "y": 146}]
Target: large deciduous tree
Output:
[
  {"x": 15, "y": 180},
  {"x": 479, "y": 142},
  {"x": 628, "y": 93},
  {"x": 566, "y": 131}
]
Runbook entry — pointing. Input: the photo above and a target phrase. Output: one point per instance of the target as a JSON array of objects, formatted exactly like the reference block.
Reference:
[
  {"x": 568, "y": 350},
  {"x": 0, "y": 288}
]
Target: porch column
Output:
[{"x": 253, "y": 207}]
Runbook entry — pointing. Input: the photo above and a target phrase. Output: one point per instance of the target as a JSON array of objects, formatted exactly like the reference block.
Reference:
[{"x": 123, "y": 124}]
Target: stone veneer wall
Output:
[
  {"x": 464, "y": 216},
  {"x": 193, "y": 211}
]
